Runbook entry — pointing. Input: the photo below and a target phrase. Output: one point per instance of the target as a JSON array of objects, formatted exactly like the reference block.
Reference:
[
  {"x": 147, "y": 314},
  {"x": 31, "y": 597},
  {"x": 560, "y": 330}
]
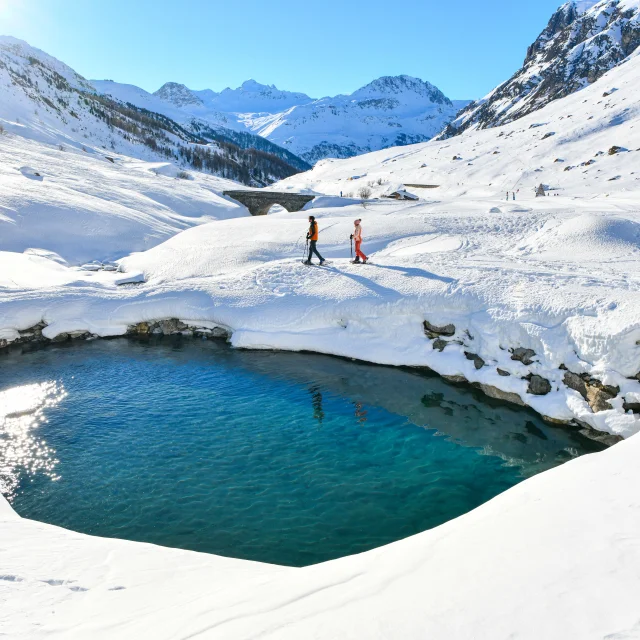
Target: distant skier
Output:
[
  {"x": 514, "y": 195},
  {"x": 312, "y": 237},
  {"x": 341, "y": 194},
  {"x": 357, "y": 237}
]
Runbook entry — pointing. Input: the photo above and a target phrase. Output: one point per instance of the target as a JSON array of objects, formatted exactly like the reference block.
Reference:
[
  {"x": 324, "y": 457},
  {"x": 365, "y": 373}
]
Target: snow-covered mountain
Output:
[
  {"x": 251, "y": 97},
  {"x": 43, "y": 99},
  {"x": 583, "y": 40},
  {"x": 195, "y": 117},
  {"x": 387, "y": 112}
]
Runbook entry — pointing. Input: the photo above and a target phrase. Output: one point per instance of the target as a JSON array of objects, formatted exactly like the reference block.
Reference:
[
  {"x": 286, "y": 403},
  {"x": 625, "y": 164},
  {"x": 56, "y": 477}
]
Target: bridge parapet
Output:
[{"x": 259, "y": 202}]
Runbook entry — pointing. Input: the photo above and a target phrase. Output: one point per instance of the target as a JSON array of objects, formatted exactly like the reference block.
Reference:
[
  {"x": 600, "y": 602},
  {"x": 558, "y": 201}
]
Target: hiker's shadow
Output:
[
  {"x": 414, "y": 272},
  {"x": 394, "y": 293}
]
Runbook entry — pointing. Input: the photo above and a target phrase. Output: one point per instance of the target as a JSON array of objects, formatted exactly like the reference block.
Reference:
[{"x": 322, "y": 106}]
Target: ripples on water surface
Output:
[{"x": 278, "y": 457}]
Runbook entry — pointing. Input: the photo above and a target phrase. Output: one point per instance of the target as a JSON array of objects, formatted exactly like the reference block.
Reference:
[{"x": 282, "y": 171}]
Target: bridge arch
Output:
[{"x": 259, "y": 202}]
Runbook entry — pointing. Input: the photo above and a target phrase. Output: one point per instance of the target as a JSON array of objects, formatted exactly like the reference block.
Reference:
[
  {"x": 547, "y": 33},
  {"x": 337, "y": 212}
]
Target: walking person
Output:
[
  {"x": 357, "y": 237},
  {"x": 312, "y": 237}
]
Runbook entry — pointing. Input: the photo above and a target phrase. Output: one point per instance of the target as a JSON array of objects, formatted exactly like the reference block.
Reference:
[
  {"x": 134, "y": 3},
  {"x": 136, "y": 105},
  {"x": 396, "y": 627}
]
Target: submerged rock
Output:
[{"x": 499, "y": 394}]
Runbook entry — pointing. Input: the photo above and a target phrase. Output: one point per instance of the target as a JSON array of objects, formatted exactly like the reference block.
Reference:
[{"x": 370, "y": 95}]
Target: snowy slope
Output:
[
  {"x": 84, "y": 206},
  {"x": 388, "y": 111},
  {"x": 176, "y": 102},
  {"x": 582, "y": 41},
  {"x": 43, "y": 99}
]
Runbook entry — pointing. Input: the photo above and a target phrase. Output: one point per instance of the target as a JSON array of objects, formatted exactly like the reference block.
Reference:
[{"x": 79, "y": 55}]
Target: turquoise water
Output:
[{"x": 278, "y": 457}]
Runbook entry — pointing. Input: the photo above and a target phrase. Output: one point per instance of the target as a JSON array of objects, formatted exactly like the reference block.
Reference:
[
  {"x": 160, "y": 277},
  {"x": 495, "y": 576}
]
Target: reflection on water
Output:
[
  {"x": 23, "y": 453},
  {"x": 280, "y": 457}
]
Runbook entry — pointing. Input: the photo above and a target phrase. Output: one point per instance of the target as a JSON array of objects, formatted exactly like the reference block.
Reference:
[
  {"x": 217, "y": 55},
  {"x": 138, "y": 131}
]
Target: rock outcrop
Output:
[{"x": 575, "y": 49}]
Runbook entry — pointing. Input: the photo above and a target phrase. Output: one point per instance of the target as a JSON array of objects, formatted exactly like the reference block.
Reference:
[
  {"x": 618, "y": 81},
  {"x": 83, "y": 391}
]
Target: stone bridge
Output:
[{"x": 259, "y": 202}]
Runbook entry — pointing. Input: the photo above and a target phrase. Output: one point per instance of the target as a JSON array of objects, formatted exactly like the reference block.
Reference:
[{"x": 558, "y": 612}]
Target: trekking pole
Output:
[
  {"x": 352, "y": 246},
  {"x": 306, "y": 250}
]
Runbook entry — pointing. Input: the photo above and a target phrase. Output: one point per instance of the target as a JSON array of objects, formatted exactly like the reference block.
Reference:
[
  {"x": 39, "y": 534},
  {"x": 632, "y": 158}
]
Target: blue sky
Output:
[{"x": 326, "y": 47}]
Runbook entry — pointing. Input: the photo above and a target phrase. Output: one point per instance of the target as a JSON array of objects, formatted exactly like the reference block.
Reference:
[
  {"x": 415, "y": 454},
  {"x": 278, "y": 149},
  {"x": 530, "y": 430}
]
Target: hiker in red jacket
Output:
[{"x": 357, "y": 237}]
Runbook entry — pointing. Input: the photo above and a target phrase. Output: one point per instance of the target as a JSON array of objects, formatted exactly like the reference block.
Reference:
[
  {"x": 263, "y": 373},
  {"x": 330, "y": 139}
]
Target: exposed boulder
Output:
[
  {"x": 538, "y": 386},
  {"x": 32, "y": 334},
  {"x": 523, "y": 355},
  {"x": 598, "y": 398},
  {"x": 592, "y": 390},
  {"x": 434, "y": 331},
  {"x": 502, "y": 372},
  {"x": 455, "y": 378},
  {"x": 172, "y": 325},
  {"x": 476, "y": 359},
  {"x": 575, "y": 382},
  {"x": 608, "y": 439},
  {"x": 439, "y": 344}
]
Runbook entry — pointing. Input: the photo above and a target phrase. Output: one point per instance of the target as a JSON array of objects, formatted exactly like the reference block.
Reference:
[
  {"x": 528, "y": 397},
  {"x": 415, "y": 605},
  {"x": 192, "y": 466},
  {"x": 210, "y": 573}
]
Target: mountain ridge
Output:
[
  {"x": 581, "y": 42},
  {"x": 388, "y": 111}
]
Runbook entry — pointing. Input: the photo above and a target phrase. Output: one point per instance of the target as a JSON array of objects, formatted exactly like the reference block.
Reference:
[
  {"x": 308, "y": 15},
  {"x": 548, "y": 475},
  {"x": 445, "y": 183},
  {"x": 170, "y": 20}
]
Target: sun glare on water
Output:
[{"x": 22, "y": 451}]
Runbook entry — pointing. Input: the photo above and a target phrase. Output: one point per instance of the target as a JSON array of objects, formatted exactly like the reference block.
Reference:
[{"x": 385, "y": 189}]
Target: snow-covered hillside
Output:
[
  {"x": 388, "y": 111},
  {"x": 43, "y": 99},
  {"x": 583, "y": 40}
]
